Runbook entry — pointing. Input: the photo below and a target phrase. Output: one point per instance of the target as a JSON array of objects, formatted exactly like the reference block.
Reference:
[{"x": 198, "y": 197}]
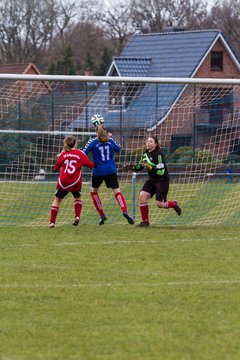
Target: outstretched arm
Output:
[
  {"x": 133, "y": 167},
  {"x": 86, "y": 161}
]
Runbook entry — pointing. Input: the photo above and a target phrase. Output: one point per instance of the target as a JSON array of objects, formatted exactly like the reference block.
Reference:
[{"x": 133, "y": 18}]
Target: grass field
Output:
[
  {"x": 211, "y": 203},
  {"x": 120, "y": 292}
]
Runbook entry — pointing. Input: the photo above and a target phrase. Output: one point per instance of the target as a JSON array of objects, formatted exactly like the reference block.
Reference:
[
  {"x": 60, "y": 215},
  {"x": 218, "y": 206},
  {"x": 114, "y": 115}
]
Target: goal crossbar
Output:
[{"x": 120, "y": 79}]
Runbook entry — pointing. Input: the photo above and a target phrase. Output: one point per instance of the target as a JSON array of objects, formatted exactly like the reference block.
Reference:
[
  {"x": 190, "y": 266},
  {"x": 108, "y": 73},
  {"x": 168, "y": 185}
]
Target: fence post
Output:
[{"x": 134, "y": 176}]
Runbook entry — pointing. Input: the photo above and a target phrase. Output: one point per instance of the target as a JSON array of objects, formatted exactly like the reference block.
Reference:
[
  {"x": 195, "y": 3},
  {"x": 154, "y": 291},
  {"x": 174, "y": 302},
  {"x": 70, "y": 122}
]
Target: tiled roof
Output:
[
  {"x": 174, "y": 54},
  {"x": 167, "y": 54},
  {"x": 23, "y": 68},
  {"x": 132, "y": 66},
  {"x": 17, "y": 68}
]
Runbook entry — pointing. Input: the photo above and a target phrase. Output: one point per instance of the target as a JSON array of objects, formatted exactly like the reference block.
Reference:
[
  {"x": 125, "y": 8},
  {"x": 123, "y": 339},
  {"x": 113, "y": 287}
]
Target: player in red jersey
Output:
[{"x": 70, "y": 163}]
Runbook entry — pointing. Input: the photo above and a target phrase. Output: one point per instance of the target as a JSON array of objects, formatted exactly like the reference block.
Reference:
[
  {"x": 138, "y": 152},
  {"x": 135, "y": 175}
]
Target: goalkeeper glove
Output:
[{"x": 146, "y": 164}]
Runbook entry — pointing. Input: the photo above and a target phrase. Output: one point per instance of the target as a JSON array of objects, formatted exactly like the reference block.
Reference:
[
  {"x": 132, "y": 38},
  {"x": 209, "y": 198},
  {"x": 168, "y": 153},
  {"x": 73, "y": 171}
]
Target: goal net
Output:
[{"x": 197, "y": 122}]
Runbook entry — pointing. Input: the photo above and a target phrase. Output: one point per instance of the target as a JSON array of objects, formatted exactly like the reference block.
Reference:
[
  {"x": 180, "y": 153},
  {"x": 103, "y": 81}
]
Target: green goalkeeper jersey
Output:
[{"x": 157, "y": 169}]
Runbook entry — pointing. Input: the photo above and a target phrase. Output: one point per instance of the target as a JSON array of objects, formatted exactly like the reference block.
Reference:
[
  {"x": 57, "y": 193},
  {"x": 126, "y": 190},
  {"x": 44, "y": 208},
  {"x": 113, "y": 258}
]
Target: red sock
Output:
[
  {"x": 53, "y": 214},
  {"x": 77, "y": 208},
  {"x": 121, "y": 201},
  {"x": 171, "y": 204},
  {"x": 144, "y": 212},
  {"x": 97, "y": 203}
]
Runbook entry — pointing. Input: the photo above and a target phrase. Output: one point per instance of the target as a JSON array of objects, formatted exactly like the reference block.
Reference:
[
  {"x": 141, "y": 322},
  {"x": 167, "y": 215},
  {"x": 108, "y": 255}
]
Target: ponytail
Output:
[{"x": 102, "y": 134}]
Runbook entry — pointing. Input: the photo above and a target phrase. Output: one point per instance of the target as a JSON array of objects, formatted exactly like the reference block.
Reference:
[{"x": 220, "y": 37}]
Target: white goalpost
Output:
[{"x": 197, "y": 122}]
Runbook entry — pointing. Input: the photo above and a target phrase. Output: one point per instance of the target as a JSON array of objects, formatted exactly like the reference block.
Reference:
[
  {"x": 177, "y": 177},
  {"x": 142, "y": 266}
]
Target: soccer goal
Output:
[{"x": 197, "y": 122}]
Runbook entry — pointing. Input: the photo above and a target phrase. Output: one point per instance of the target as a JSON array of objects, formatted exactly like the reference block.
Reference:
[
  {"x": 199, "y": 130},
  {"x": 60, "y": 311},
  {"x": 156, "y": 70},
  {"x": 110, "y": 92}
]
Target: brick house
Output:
[
  {"x": 15, "y": 92},
  {"x": 27, "y": 89},
  {"x": 61, "y": 101},
  {"x": 180, "y": 114}
]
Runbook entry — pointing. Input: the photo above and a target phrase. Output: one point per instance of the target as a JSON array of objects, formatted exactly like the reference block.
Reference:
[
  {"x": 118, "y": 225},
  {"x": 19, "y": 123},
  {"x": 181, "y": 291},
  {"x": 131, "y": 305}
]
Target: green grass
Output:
[
  {"x": 120, "y": 293},
  {"x": 203, "y": 203}
]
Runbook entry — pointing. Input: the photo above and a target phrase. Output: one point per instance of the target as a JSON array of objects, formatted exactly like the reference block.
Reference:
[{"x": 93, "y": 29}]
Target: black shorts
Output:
[
  {"x": 160, "y": 188},
  {"x": 111, "y": 181},
  {"x": 62, "y": 193}
]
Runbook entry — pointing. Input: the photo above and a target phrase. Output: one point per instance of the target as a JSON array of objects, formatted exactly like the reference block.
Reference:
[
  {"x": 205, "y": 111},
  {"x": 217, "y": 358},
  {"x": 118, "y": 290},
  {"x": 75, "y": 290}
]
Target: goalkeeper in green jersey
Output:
[{"x": 158, "y": 180}]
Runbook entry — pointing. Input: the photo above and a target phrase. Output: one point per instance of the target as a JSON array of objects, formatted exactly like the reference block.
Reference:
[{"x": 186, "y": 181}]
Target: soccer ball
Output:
[{"x": 97, "y": 119}]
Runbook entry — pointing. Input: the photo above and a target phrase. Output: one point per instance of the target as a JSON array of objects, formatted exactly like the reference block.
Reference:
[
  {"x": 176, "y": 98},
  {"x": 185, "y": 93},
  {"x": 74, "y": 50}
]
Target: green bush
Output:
[
  {"x": 186, "y": 155},
  {"x": 13, "y": 145},
  {"x": 182, "y": 154},
  {"x": 232, "y": 159}
]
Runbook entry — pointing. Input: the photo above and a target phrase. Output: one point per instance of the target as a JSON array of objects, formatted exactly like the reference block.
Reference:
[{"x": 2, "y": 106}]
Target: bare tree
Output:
[
  {"x": 86, "y": 39},
  {"x": 40, "y": 30},
  {"x": 27, "y": 27},
  {"x": 225, "y": 16},
  {"x": 63, "y": 13},
  {"x": 82, "y": 32},
  {"x": 116, "y": 23},
  {"x": 154, "y": 15}
]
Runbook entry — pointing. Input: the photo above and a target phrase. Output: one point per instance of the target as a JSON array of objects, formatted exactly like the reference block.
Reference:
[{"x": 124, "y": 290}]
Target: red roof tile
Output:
[{"x": 18, "y": 68}]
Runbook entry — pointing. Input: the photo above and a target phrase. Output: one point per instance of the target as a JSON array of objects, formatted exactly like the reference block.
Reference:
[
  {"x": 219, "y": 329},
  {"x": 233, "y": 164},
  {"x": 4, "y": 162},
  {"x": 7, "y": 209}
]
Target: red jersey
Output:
[{"x": 70, "y": 163}]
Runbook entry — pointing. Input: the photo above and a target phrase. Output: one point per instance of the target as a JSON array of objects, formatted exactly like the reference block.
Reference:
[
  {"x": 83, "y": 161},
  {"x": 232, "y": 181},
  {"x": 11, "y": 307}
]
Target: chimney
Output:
[
  {"x": 172, "y": 29},
  {"x": 138, "y": 30},
  {"x": 172, "y": 26},
  {"x": 89, "y": 72}
]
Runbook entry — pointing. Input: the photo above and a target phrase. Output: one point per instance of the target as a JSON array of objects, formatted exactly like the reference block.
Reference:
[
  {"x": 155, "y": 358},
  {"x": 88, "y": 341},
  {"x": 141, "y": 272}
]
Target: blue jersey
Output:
[{"x": 102, "y": 155}]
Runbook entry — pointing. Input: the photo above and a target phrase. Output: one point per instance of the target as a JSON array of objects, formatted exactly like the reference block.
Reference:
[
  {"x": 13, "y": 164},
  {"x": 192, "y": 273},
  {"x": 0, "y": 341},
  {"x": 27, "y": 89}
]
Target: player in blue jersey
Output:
[{"x": 103, "y": 148}]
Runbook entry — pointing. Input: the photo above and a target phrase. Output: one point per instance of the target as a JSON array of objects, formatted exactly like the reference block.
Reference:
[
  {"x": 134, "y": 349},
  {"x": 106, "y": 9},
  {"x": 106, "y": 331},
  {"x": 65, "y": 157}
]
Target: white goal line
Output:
[
  {"x": 95, "y": 285},
  {"x": 127, "y": 242}
]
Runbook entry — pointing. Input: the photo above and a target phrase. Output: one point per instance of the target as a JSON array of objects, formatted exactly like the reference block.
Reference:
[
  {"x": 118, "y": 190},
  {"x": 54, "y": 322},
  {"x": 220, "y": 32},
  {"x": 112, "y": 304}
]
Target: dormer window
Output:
[
  {"x": 216, "y": 61},
  {"x": 123, "y": 94}
]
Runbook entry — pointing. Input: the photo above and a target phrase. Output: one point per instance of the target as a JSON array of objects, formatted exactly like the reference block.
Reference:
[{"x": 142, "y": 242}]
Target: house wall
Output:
[
  {"x": 24, "y": 90},
  {"x": 229, "y": 68},
  {"x": 18, "y": 92},
  {"x": 186, "y": 112}
]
